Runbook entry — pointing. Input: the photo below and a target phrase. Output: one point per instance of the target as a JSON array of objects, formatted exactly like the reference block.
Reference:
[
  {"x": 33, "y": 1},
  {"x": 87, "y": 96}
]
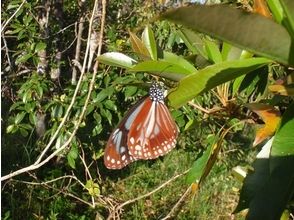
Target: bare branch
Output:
[{"x": 170, "y": 214}]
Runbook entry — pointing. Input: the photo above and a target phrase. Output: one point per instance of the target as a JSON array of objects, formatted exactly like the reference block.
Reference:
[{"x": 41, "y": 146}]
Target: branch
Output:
[{"x": 170, "y": 214}]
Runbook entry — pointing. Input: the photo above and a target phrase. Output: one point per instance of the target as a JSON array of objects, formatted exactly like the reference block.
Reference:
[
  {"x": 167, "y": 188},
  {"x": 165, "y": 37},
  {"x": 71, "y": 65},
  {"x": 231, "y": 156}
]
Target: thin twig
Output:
[
  {"x": 170, "y": 214},
  {"x": 51, "y": 181}
]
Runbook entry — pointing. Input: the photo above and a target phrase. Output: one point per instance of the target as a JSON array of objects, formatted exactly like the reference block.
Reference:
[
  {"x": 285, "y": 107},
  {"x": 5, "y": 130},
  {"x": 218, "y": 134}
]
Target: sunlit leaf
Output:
[
  {"x": 200, "y": 165},
  {"x": 150, "y": 43},
  {"x": 271, "y": 117},
  {"x": 212, "y": 76},
  {"x": 19, "y": 117},
  {"x": 138, "y": 46},
  {"x": 117, "y": 59},
  {"x": 284, "y": 139},
  {"x": 162, "y": 68},
  {"x": 286, "y": 90},
  {"x": 261, "y": 8},
  {"x": 213, "y": 52}
]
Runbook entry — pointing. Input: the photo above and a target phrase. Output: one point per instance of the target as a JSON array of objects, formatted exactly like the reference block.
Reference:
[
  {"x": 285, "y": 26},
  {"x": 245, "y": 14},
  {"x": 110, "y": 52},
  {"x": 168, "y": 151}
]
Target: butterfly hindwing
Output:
[{"x": 153, "y": 132}]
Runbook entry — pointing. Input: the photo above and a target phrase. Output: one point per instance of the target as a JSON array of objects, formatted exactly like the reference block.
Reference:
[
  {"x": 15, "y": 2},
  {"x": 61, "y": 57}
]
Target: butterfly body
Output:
[{"x": 146, "y": 132}]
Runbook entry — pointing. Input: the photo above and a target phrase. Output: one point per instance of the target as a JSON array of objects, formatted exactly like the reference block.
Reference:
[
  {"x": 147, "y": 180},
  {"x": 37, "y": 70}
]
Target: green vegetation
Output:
[{"x": 70, "y": 72}]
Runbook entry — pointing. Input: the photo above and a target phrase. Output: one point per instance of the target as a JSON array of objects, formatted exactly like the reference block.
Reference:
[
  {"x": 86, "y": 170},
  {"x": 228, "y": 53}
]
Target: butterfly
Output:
[{"x": 146, "y": 132}]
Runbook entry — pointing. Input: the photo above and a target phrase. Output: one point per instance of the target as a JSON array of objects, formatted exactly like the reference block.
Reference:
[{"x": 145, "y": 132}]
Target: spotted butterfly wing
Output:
[
  {"x": 147, "y": 132},
  {"x": 153, "y": 132},
  {"x": 116, "y": 155}
]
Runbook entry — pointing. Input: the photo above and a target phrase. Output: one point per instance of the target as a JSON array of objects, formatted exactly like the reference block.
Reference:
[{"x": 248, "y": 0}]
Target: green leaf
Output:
[
  {"x": 106, "y": 114},
  {"x": 193, "y": 41},
  {"x": 19, "y": 117},
  {"x": 276, "y": 10},
  {"x": 93, "y": 188},
  {"x": 23, "y": 132},
  {"x": 212, "y": 76},
  {"x": 11, "y": 128},
  {"x": 97, "y": 129},
  {"x": 117, "y": 59},
  {"x": 57, "y": 111},
  {"x": 150, "y": 43},
  {"x": 109, "y": 104},
  {"x": 283, "y": 144},
  {"x": 213, "y": 51},
  {"x": 130, "y": 91},
  {"x": 40, "y": 46},
  {"x": 249, "y": 31},
  {"x": 180, "y": 61},
  {"x": 97, "y": 117},
  {"x": 269, "y": 187},
  {"x": 162, "y": 68},
  {"x": 103, "y": 94},
  {"x": 288, "y": 6},
  {"x": 199, "y": 166},
  {"x": 72, "y": 156},
  {"x": 23, "y": 58}
]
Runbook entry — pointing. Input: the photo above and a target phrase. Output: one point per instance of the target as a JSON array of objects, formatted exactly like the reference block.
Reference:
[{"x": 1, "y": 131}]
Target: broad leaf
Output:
[
  {"x": 249, "y": 31},
  {"x": 173, "y": 58},
  {"x": 117, "y": 59},
  {"x": 212, "y": 76},
  {"x": 284, "y": 139},
  {"x": 199, "y": 166},
  {"x": 271, "y": 118},
  {"x": 162, "y": 68}
]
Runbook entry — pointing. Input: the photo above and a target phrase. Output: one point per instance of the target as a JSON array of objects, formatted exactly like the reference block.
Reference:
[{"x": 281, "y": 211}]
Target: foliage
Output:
[{"x": 49, "y": 127}]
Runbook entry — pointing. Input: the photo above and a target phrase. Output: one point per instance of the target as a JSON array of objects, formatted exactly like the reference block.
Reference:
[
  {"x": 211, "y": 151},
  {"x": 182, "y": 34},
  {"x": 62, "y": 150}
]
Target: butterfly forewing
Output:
[
  {"x": 116, "y": 155},
  {"x": 153, "y": 132}
]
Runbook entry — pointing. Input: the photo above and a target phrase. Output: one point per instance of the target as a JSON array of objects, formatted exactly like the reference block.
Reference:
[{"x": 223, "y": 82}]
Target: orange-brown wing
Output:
[
  {"x": 116, "y": 155},
  {"x": 153, "y": 132}
]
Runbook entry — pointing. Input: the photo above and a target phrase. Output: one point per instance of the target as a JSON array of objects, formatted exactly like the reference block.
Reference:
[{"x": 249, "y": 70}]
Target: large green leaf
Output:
[
  {"x": 212, "y": 76},
  {"x": 249, "y": 31},
  {"x": 284, "y": 138},
  {"x": 179, "y": 61},
  {"x": 117, "y": 59},
  {"x": 162, "y": 68}
]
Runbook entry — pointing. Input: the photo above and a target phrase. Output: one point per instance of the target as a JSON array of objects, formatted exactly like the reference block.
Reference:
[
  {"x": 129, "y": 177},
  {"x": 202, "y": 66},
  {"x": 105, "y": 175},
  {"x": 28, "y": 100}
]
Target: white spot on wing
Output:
[
  {"x": 122, "y": 149},
  {"x": 138, "y": 147},
  {"x": 132, "y": 140}
]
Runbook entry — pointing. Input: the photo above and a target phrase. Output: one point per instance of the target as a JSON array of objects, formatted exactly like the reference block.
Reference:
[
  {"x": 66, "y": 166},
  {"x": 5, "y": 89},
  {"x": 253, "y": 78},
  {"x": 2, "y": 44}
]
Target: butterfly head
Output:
[{"x": 156, "y": 93}]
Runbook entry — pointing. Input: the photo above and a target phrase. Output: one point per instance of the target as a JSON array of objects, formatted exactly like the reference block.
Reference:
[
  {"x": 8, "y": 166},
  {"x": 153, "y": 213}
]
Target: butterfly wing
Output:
[
  {"x": 153, "y": 132},
  {"x": 116, "y": 155}
]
